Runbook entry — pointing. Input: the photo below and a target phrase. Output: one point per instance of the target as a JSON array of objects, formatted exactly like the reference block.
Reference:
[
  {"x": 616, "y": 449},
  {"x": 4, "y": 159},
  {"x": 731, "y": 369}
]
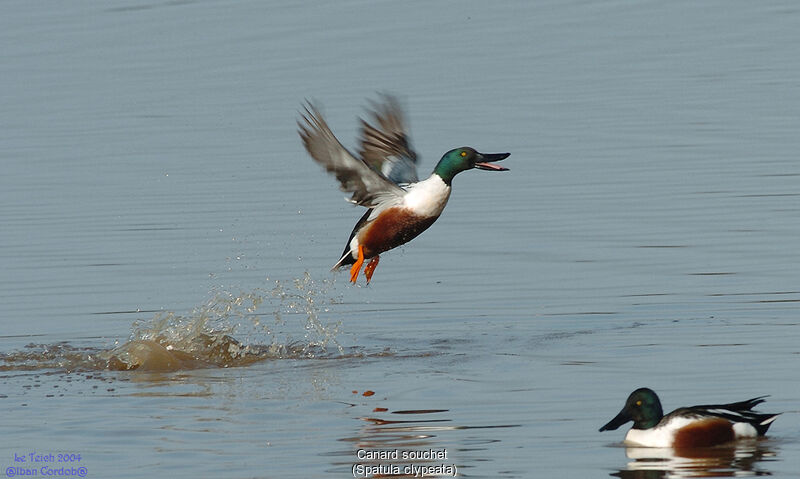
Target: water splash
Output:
[
  {"x": 206, "y": 337},
  {"x": 228, "y": 330}
]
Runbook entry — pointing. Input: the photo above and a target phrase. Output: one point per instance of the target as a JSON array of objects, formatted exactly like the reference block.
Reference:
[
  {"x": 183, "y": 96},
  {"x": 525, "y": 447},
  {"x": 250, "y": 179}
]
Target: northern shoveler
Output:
[
  {"x": 384, "y": 180},
  {"x": 688, "y": 427}
]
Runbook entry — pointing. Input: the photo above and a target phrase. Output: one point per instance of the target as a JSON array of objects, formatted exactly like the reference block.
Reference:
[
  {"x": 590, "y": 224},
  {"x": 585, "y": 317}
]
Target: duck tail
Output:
[
  {"x": 347, "y": 258},
  {"x": 765, "y": 422}
]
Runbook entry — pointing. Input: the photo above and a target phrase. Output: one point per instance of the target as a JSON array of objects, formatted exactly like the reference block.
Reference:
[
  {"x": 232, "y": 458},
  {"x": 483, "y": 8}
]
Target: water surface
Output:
[{"x": 166, "y": 241}]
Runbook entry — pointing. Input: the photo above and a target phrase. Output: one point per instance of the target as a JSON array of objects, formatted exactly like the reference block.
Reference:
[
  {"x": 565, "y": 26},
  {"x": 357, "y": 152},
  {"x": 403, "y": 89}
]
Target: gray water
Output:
[{"x": 154, "y": 188}]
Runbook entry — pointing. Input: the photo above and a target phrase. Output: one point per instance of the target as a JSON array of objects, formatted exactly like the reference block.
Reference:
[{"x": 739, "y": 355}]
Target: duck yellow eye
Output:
[
  {"x": 638, "y": 403},
  {"x": 463, "y": 154}
]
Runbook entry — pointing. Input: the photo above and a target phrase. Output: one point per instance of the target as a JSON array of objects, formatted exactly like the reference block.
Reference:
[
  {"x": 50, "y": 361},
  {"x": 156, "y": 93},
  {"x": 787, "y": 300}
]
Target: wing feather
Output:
[
  {"x": 735, "y": 412},
  {"x": 368, "y": 187},
  {"x": 386, "y": 147}
]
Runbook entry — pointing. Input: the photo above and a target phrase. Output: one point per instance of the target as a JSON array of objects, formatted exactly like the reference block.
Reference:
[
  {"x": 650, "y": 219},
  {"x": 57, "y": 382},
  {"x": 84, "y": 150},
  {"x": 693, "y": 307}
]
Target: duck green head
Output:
[
  {"x": 642, "y": 407},
  {"x": 465, "y": 158}
]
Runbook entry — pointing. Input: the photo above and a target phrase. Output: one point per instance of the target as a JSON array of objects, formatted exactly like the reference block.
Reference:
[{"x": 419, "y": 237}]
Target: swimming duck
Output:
[
  {"x": 384, "y": 180},
  {"x": 688, "y": 427}
]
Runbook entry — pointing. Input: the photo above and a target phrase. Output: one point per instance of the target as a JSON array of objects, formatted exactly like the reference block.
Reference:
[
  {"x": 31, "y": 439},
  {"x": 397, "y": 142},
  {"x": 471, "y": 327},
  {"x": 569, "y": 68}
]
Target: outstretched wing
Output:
[
  {"x": 369, "y": 188},
  {"x": 385, "y": 144}
]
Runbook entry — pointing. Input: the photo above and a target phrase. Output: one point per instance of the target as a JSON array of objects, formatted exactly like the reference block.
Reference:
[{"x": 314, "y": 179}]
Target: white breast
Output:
[
  {"x": 650, "y": 437},
  {"x": 661, "y": 436},
  {"x": 428, "y": 197}
]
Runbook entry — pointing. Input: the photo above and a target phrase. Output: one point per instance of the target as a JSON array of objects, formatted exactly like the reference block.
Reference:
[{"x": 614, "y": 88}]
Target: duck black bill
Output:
[
  {"x": 618, "y": 421},
  {"x": 486, "y": 160}
]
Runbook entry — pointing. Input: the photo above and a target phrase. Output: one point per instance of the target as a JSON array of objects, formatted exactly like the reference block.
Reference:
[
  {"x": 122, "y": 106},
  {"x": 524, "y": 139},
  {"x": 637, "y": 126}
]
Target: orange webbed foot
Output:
[
  {"x": 357, "y": 265},
  {"x": 370, "y": 268}
]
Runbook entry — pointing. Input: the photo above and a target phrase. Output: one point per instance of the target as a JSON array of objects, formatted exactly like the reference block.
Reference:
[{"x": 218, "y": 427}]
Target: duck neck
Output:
[{"x": 445, "y": 171}]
